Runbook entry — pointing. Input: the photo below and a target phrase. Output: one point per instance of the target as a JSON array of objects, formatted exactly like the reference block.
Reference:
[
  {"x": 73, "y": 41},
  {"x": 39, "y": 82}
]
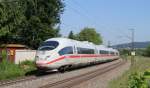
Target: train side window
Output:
[
  {"x": 112, "y": 53},
  {"x": 85, "y": 51},
  {"x": 48, "y": 45},
  {"x": 66, "y": 50},
  {"x": 103, "y": 52},
  {"x": 117, "y": 53}
]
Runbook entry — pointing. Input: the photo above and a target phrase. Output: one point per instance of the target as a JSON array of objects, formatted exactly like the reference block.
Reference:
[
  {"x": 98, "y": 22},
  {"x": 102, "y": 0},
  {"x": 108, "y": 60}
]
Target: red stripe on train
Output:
[
  {"x": 77, "y": 56},
  {"x": 61, "y": 58}
]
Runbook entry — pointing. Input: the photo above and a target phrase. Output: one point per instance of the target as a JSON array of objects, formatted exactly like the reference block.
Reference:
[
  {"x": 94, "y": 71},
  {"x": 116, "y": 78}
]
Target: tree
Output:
[
  {"x": 71, "y": 35},
  {"x": 30, "y": 21},
  {"x": 10, "y": 16},
  {"x": 89, "y": 34},
  {"x": 147, "y": 51}
]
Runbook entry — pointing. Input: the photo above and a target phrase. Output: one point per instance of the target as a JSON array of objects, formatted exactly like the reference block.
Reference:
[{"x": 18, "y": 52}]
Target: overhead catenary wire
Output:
[
  {"x": 93, "y": 17},
  {"x": 85, "y": 13}
]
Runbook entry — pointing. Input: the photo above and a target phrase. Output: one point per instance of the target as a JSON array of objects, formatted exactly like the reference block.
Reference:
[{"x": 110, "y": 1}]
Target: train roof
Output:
[
  {"x": 69, "y": 40},
  {"x": 81, "y": 43},
  {"x": 60, "y": 39}
]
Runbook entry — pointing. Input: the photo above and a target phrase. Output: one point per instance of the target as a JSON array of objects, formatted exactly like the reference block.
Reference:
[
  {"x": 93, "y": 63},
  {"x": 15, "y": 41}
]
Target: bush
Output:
[
  {"x": 28, "y": 65},
  {"x": 137, "y": 81},
  {"x": 140, "y": 52},
  {"x": 147, "y": 73},
  {"x": 147, "y": 51},
  {"x": 125, "y": 52},
  {"x": 9, "y": 70},
  {"x": 4, "y": 54}
]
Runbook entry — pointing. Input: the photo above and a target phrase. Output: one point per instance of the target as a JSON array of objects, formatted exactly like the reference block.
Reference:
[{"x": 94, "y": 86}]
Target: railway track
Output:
[
  {"x": 70, "y": 82},
  {"x": 10, "y": 82},
  {"x": 66, "y": 82},
  {"x": 23, "y": 79}
]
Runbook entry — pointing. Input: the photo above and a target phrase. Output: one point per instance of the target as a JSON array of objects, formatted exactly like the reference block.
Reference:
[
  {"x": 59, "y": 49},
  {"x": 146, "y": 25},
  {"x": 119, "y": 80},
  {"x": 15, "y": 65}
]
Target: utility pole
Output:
[
  {"x": 132, "y": 47},
  {"x": 132, "y": 39},
  {"x": 109, "y": 44}
]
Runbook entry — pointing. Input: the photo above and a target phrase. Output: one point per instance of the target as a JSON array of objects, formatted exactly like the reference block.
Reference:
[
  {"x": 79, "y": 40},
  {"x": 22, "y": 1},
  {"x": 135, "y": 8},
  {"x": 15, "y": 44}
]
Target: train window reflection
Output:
[
  {"x": 103, "y": 52},
  {"x": 85, "y": 51},
  {"x": 49, "y": 45},
  {"x": 66, "y": 50}
]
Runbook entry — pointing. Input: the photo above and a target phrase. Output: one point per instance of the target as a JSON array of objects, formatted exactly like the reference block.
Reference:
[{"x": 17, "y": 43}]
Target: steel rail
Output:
[
  {"x": 21, "y": 79},
  {"x": 70, "y": 82},
  {"x": 29, "y": 78}
]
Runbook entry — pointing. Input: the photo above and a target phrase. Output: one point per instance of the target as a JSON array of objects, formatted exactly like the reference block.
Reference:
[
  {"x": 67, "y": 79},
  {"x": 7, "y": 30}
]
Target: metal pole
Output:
[
  {"x": 132, "y": 47},
  {"x": 132, "y": 39},
  {"x": 109, "y": 44}
]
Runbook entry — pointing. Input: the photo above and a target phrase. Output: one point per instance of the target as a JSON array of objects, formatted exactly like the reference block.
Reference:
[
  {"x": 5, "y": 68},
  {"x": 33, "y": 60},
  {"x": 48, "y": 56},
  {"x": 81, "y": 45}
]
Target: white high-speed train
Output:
[{"x": 61, "y": 53}]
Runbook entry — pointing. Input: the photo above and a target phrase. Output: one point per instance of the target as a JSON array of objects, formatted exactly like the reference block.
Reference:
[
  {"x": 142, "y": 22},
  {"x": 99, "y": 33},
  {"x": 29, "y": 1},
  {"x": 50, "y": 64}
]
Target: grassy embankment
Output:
[
  {"x": 10, "y": 71},
  {"x": 134, "y": 77}
]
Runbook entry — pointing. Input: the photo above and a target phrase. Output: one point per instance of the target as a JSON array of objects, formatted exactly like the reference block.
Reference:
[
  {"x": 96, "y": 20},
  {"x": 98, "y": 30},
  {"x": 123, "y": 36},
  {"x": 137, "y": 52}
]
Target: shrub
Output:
[
  {"x": 9, "y": 70},
  {"x": 124, "y": 52},
  {"x": 4, "y": 54},
  {"x": 137, "y": 81},
  {"x": 28, "y": 65},
  {"x": 147, "y": 51},
  {"x": 147, "y": 73}
]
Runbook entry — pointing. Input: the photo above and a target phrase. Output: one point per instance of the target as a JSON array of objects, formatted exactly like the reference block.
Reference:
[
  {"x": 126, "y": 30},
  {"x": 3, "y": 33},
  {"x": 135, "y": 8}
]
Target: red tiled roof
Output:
[{"x": 13, "y": 45}]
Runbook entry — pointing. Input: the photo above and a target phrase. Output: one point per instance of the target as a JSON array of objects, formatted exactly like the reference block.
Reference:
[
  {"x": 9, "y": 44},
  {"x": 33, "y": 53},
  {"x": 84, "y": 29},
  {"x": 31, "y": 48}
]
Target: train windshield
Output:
[{"x": 48, "y": 45}]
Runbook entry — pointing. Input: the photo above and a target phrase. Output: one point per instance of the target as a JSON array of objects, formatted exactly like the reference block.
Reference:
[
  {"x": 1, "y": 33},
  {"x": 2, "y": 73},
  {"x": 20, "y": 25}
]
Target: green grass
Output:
[
  {"x": 141, "y": 65},
  {"x": 28, "y": 66},
  {"x": 9, "y": 70}
]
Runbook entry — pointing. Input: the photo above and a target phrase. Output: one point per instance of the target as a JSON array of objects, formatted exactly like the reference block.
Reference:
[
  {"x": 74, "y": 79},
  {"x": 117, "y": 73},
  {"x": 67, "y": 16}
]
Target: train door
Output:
[
  {"x": 96, "y": 54},
  {"x": 72, "y": 57},
  {"x": 76, "y": 57}
]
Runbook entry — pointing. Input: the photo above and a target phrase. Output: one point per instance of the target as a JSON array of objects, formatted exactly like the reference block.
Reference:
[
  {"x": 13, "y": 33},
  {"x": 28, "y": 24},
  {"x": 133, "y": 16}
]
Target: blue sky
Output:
[{"x": 111, "y": 18}]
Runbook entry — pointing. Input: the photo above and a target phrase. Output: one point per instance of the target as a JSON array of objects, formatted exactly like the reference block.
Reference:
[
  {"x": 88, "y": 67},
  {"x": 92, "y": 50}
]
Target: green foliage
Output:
[
  {"x": 147, "y": 51},
  {"x": 28, "y": 65},
  {"x": 4, "y": 54},
  {"x": 137, "y": 81},
  {"x": 141, "y": 65},
  {"x": 147, "y": 76},
  {"x": 147, "y": 73},
  {"x": 124, "y": 52},
  {"x": 89, "y": 34},
  {"x": 71, "y": 35},
  {"x": 9, "y": 70},
  {"x": 29, "y": 21},
  {"x": 140, "y": 52}
]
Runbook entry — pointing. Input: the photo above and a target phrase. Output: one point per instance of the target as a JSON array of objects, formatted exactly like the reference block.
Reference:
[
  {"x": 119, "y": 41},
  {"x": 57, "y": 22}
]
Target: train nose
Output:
[
  {"x": 41, "y": 63},
  {"x": 39, "y": 58}
]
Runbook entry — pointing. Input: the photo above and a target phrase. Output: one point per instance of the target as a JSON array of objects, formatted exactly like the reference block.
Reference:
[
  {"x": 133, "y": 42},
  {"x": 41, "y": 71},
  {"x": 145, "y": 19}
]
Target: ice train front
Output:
[{"x": 46, "y": 54}]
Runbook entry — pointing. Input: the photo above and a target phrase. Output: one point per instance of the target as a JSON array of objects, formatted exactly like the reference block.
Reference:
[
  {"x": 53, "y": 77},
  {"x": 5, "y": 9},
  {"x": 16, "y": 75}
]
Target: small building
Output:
[{"x": 9, "y": 50}]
